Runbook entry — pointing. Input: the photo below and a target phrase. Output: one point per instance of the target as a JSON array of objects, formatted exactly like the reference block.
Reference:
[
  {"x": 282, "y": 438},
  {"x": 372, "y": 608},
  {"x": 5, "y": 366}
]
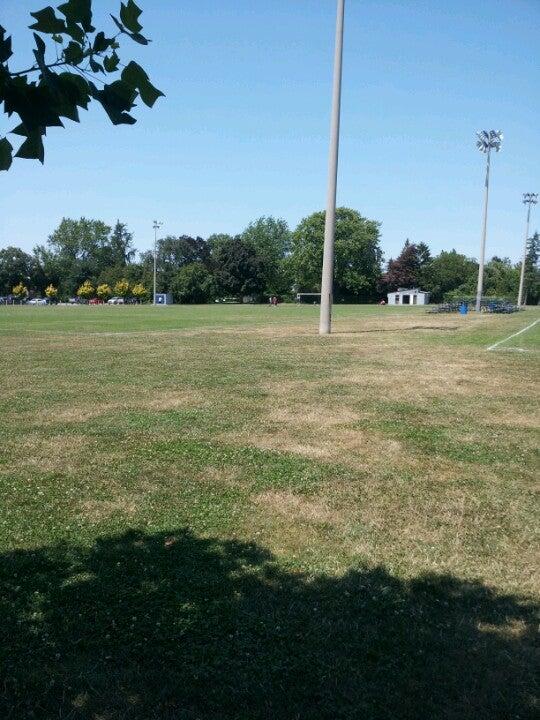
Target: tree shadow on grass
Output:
[
  {"x": 412, "y": 328},
  {"x": 162, "y": 627}
]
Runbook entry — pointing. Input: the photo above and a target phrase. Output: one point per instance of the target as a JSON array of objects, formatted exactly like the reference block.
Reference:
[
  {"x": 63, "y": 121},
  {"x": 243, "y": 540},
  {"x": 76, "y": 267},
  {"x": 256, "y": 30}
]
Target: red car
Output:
[{"x": 95, "y": 301}]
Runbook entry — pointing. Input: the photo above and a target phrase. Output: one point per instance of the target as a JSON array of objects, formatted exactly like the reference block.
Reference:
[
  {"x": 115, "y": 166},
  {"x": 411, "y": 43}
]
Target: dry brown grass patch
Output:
[
  {"x": 297, "y": 507},
  {"x": 97, "y": 510},
  {"x": 147, "y": 399},
  {"x": 52, "y": 454}
]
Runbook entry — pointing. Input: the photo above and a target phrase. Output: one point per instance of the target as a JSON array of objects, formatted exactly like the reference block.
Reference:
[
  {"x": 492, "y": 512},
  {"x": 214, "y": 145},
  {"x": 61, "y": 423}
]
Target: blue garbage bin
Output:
[{"x": 464, "y": 308}]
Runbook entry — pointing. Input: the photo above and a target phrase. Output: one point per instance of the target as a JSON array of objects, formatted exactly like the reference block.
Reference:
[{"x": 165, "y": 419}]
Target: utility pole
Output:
[
  {"x": 327, "y": 282},
  {"x": 156, "y": 227},
  {"x": 528, "y": 199},
  {"x": 487, "y": 141}
]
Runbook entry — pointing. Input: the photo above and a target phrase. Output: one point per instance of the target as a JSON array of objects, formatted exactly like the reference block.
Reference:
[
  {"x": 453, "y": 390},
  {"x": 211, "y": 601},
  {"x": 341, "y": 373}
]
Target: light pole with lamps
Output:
[
  {"x": 488, "y": 140},
  {"x": 528, "y": 199},
  {"x": 327, "y": 282},
  {"x": 156, "y": 227}
]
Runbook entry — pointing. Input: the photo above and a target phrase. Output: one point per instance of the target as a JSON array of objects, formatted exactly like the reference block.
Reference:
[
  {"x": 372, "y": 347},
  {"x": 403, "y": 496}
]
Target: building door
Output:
[
  {"x": 414, "y": 299},
  {"x": 406, "y": 299}
]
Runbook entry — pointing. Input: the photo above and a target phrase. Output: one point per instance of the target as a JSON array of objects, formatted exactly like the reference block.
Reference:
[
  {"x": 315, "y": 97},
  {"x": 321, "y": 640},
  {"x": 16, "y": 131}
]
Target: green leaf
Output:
[
  {"x": 78, "y": 11},
  {"x": 32, "y": 148},
  {"x": 34, "y": 104},
  {"x": 111, "y": 63},
  {"x": 5, "y": 46},
  {"x": 5, "y": 154},
  {"x": 73, "y": 54},
  {"x": 74, "y": 31},
  {"x": 95, "y": 66},
  {"x": 129, "y": 14},
  {"x": 134, "y": 75},
  {"x": 40, "y": 45},
  {"x": 75, "y": 88},
  {"x": 48, "y": 77},
  {"x": 139, "y": 38},
  {"x": 67, "y": 108},
  {"x": 116, "y": 99},
  {"x": 118, "y": 24},
  {"x": 101, "y": 43},
  {"x": 47, "y": 22},
  {"x": 134, "y": 36},
  {"x": 20, "y": 130}
]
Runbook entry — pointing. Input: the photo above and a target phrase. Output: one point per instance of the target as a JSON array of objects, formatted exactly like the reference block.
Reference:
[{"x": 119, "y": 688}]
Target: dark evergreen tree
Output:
[
  {"x": 532, "y": 272},
  {"x": 404, "y": 271}
]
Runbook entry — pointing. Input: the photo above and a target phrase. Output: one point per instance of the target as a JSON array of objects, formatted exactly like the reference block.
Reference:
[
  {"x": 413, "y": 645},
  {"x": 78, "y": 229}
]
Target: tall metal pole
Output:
[
  {"x": 528, "y": 199},
  {"x": 156, "y": 227},
  {"x": 524, "y": 260},
  {"x": 327, "y": 282},
  {"x": 480, "y": 286}
]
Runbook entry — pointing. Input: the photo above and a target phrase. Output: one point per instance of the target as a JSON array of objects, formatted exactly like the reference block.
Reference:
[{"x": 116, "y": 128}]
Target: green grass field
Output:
[{"x": 211, "y": 513}]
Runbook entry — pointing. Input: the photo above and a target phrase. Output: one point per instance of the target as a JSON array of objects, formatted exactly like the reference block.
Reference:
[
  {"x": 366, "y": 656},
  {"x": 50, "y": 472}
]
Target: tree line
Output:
[{"x": 90, "y": 259}]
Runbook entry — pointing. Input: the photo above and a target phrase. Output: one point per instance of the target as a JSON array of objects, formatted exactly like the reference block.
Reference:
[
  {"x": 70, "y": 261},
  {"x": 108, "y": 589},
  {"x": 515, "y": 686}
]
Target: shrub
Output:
[
  {"x": 86, "y": 291},
  {"x": 122, "y": 288},
  {"x": 104, "y": 291},
  {"x": 139, "y": 292},
  {"x": 20, "y": 291},
  {"x": 51, "y": 292}
]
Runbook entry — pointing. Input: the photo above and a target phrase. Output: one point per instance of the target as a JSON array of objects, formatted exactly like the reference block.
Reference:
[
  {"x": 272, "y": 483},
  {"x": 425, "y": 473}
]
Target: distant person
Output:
[
  {"x": 383, "y": 302},
  {"x": 274, "y": 301}
]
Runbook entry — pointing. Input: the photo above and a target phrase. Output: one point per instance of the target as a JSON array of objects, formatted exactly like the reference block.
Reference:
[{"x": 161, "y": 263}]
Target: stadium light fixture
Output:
[
  {"x": 529, "y": 199},
  {"x": 487, "y": 140},
  {"x": 327, "y": 281},
  {"x": 156, "y": 227}
]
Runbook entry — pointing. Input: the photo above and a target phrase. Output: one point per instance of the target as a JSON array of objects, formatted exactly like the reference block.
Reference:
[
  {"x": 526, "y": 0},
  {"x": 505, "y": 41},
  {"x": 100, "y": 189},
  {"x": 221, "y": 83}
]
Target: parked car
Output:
[
  {"x": 95, "y": 301},
  {"x": 115, "y": 301},
  {"x": 37, "y": 301}
]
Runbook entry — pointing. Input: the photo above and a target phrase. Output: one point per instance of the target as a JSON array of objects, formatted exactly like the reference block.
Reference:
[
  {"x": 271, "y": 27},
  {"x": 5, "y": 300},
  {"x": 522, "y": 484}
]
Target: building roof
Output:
[{"x": 410, "y": 290}]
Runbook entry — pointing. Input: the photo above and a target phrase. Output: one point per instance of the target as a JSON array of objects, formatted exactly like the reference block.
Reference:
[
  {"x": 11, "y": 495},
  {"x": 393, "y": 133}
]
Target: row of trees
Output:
[
  {"x": 91, "y": 259},
  {"x": 451, "y": 275}
]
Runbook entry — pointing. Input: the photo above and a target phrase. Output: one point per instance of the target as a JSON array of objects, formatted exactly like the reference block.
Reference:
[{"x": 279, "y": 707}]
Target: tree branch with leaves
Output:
[{"x": 49, "y": 90}]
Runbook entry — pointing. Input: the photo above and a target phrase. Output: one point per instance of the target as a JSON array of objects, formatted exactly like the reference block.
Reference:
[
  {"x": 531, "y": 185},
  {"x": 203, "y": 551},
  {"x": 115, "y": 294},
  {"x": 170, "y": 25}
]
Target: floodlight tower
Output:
[
  {"x": 487, "y": 141},
  {"x": 327, "y": 282},
  {"x": 528, "y": 200},
  {"x": 156, "y": 227}
]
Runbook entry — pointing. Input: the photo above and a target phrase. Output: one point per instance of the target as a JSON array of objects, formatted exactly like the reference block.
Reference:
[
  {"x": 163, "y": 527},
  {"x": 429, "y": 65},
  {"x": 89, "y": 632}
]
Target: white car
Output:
[
  {"x": 115, "y": 301},
  {"x": 37, "y": 301}
]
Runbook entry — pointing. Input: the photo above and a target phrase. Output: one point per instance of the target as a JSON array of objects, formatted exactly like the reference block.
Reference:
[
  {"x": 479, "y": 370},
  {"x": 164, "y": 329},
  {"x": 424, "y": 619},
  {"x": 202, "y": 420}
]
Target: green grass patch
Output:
[{"x": 211, "y": 513}]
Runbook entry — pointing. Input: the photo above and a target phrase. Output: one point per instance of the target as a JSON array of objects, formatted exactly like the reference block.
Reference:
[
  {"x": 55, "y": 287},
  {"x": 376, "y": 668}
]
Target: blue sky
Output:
[{"x": 243, "y": 131}]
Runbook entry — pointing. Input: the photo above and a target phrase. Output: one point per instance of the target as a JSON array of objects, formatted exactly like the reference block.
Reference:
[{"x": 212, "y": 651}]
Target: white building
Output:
[
  {"x": 164, "y": 299},
  {"x": 404, "y": 296}
]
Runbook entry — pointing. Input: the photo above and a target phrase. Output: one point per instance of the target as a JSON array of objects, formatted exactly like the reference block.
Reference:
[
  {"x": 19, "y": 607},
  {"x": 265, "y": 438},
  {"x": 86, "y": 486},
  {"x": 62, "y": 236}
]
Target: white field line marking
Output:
[
  {"x": 492, "y": 347},
  {"x": 512, "y": 349}
]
